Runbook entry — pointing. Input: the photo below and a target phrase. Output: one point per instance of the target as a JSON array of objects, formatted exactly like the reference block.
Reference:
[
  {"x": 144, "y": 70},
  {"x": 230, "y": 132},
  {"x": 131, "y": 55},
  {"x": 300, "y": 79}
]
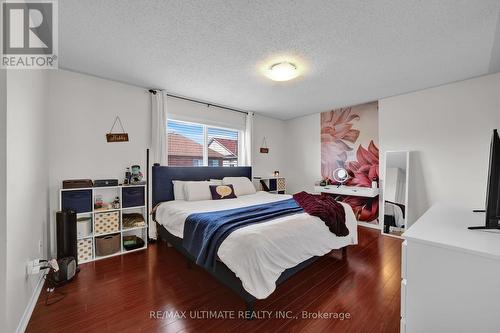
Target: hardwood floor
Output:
[{"x": 118, "y": 294}]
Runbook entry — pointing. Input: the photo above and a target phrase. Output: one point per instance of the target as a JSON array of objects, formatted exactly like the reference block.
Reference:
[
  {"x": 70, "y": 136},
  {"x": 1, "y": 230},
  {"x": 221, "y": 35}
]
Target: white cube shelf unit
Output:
[
  {"x": 109, "y": 220},
  {"x": 270, "y": 184}
]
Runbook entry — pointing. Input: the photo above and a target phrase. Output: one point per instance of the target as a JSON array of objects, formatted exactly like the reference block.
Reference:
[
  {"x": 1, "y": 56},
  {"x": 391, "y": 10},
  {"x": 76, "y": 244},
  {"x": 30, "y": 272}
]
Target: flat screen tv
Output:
[{"x": 493, "y": 189}]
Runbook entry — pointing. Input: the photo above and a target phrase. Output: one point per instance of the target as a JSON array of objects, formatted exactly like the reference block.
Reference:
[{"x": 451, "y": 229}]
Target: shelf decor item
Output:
[
  {"x": 105, "y": 182},
  {"x": 340, "y": 175},
  {"x": 77, "y": 183},
  {"x": 136, "y": 175},
  {"x": 117, "y": 137},
  {"x": 98, "y": 203},
  {"x": 263, "y": 148}
]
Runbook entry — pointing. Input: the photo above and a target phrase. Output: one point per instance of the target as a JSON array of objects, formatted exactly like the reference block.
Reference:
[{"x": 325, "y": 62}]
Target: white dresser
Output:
[{"x": 450, "y": 275}]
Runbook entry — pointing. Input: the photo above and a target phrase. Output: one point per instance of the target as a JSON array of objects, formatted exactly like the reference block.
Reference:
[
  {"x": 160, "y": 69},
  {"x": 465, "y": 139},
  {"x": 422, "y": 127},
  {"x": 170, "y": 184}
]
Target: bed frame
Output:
[{"x": 162, "y": 189}]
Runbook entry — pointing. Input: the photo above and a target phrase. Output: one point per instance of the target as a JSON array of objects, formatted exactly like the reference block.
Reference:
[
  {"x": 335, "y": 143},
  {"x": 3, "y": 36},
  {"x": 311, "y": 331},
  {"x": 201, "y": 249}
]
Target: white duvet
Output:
[{"x": 259, "y": 253}]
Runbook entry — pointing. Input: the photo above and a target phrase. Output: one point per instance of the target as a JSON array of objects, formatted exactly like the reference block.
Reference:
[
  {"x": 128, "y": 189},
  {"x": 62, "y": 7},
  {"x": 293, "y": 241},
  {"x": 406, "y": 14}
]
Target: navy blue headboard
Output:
[{"x": 163, "y": 189}]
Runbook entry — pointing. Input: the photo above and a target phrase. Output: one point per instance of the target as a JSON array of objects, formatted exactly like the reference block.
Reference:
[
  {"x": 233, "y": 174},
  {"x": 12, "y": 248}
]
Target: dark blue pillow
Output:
[{"x": 222, "y": 192}]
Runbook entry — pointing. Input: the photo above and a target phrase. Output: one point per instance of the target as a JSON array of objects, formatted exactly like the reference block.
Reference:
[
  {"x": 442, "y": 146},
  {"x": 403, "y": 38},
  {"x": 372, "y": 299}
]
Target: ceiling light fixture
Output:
[{"x": 282, "y": 71}]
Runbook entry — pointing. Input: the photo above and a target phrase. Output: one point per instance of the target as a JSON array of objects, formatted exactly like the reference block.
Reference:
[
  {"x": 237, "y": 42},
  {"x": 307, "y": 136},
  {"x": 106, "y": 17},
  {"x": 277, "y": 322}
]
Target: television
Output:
[{"x": 493, "y": 189}]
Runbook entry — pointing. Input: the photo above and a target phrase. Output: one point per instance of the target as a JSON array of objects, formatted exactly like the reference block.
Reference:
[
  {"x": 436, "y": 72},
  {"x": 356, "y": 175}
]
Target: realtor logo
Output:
[{"x": 29, "y": 38}]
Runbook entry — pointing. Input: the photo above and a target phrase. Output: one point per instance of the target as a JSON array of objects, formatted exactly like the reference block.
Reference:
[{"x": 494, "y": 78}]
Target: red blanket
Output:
[{"x": 326, "y": 208}]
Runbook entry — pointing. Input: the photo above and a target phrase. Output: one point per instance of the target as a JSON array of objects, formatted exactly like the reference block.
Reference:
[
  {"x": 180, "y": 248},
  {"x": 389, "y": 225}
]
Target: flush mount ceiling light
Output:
[{"x": 282, "y": 71}]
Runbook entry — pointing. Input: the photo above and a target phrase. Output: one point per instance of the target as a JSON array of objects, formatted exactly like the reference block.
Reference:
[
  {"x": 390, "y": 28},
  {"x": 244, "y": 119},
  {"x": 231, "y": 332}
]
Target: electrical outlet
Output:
[
  {"x": 33, "y": 267},
  {"x": 40, "y": 246}
]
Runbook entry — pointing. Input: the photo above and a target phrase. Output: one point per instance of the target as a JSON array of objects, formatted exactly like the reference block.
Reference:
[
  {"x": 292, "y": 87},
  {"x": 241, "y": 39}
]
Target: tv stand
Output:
[{"x": 443, "y": 262}]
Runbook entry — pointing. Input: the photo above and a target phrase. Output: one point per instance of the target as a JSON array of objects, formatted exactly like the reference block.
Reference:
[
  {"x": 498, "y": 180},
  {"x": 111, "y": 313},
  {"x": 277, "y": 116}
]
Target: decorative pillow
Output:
[
  {"x": 179, "y": 189},
  {"x": 242, "y": 185},
  {"x": 222, "y": 192},
  {"x": 195, "y": 191}
]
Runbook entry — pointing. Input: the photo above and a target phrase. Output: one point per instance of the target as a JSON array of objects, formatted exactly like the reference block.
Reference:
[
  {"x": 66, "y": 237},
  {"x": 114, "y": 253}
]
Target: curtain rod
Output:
[{"x": 199, "y": 102}]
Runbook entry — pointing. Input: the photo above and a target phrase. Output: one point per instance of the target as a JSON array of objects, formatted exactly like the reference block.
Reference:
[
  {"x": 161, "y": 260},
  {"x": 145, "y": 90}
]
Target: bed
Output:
[{"x": 254, "y": 259}]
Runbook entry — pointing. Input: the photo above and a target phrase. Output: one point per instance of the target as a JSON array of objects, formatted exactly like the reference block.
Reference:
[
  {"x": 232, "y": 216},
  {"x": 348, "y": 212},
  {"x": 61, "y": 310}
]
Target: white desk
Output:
[
  {"x": 348, "y": 190},
  {"x": 450, "y": 275},
  {"x": 356, "y": 191}
]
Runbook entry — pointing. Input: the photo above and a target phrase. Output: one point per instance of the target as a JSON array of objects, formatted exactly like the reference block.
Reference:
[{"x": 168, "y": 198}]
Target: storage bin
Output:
[
  {"x": 133, "y": 196},
  {"x": 281, "y": 184},
  {"x": 132, "y": 242},
  {"x": 132, "y": 220},
  {"x": 107, "y": 222},
  {"x": 83, "y": 227},
  {"x": 273, "y": 186},
  {"x": 84, "y": 250},
  {"x": 77, "y": 200},
  {"x": 107, "y": 245}
]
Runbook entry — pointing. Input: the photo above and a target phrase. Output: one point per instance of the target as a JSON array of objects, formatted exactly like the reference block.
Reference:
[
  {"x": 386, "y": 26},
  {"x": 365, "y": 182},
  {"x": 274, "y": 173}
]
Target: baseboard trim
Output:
[{"x": 25, "y": 319}]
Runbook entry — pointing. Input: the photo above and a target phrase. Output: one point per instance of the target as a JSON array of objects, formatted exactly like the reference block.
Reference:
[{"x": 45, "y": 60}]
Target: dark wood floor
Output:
[{"x": 117, "y": 294}]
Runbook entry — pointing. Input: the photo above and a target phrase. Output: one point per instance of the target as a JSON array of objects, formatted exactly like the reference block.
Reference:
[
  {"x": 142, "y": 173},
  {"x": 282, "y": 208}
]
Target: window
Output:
[{"x": 191, "y": 144}]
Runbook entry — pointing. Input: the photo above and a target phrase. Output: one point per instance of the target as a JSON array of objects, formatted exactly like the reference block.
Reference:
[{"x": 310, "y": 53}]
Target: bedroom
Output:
[{"x": 384, "y": 119}]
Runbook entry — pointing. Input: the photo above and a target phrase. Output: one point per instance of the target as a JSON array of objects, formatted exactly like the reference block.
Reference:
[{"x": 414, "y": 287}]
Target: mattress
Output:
[{"x": 259, "y": 253}]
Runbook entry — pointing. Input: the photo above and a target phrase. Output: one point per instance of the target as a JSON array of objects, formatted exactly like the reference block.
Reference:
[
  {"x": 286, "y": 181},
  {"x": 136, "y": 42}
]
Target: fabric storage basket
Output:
[
  {"x": 281, "y": 184},
  {"x": 78, "y": 200},
  {"x": 84, "y": 250},
  {"x": 83, "y": 227},
  {"x": 107, "y": 222},
  {"x": 107, "y": 245},
  {"x": 133, "y": 196}
]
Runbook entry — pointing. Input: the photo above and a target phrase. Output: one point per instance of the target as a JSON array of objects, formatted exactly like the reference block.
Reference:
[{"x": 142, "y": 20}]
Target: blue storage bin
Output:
[
  {"x": 133, "y": 196},
  {"x": 273, "y": 184},
  {"x": 77, "y": 200}
]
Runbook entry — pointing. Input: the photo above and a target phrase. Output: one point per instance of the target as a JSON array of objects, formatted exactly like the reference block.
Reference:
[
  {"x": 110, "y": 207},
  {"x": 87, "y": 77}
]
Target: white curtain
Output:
[
  {"x": 159, "y": 141},
  {"x": 246, "y": 158},
  {"x": 159, "y": 144}
]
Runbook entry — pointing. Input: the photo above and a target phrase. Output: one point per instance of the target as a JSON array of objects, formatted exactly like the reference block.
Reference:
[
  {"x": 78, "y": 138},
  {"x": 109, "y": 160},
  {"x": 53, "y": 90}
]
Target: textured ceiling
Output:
[{"x": 349, "y": 51}]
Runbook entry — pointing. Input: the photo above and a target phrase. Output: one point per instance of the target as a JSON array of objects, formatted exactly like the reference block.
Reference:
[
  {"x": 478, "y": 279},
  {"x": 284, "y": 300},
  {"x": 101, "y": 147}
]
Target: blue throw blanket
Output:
[{"x": 205, "y": 232}]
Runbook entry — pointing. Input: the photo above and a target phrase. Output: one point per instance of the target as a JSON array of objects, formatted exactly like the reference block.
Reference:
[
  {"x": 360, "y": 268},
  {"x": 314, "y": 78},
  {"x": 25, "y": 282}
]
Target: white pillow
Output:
[
  {"x": 195, "y": 191},
  {"x": 216, "y": 181},
  {"x": 179, "y": 189},
  {"x": 241, "y": 185}
]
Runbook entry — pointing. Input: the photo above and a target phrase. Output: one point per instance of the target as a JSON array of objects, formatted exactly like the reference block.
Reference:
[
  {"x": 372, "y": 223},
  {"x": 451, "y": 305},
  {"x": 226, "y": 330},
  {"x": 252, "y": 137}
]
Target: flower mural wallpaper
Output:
[{"x": 349, "y": 139}]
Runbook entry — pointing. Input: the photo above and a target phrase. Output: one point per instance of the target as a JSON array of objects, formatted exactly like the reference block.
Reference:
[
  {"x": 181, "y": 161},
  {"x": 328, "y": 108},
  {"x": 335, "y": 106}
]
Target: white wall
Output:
[
  {"x": 303, "y": 146},
  {"x": 303, "y": 153},
  {"x": 27, "y": 171},
  {"x": 274, "y": 132},
  {"x": 449, "y": 128},
  {"x": 82, "y": 110},
  {"x": 3, "y": 190}
]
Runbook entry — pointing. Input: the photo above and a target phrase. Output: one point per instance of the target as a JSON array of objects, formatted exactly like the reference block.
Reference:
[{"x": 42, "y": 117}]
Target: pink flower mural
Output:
[
  {"x": 340, "y": 149},
  {"x": 365, "y": 169},
  {"x": 336, "y": 133}
]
